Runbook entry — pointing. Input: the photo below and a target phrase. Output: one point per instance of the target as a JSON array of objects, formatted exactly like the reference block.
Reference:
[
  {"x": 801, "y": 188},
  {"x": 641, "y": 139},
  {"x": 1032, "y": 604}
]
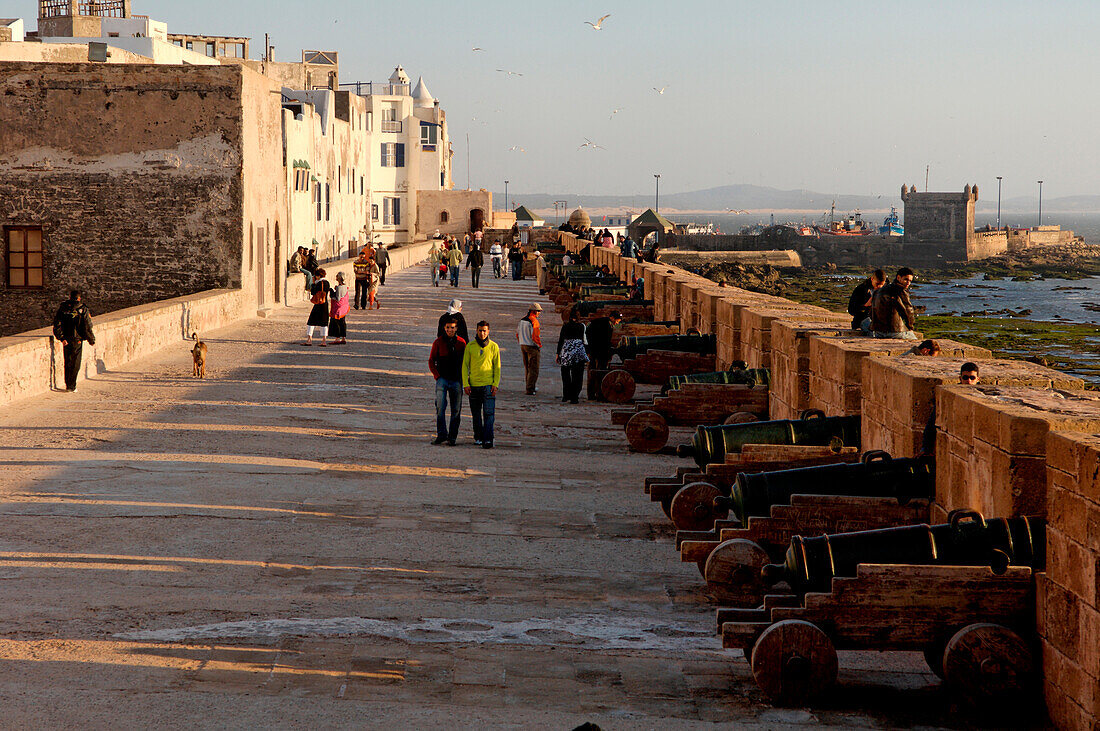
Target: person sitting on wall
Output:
[
  {"x": 294, "y": 266},
  {"x": 859, "y": 304},
  {"x": 892, "y": 313},
  {"x": 926, "y": 347}
]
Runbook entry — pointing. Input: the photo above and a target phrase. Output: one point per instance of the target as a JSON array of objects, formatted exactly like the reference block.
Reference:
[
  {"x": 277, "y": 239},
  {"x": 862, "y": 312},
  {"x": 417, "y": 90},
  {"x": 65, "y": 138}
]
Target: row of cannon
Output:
[{"x": 809, "y": 547}]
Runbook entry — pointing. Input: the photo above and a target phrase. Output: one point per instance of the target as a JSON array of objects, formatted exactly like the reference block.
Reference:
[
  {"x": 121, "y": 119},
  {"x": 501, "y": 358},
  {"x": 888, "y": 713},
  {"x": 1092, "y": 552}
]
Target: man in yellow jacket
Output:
[{"x": 480, "y": 380}]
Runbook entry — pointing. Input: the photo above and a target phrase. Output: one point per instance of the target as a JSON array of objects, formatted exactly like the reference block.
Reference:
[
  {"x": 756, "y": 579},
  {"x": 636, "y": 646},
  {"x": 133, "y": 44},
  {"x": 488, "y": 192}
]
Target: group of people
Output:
[
  {"x": 463, "y": 367},
  {"x": 331, "y": 303},
  {"x": 884, "y": 310},
  {"x": 446, "y": 258}
]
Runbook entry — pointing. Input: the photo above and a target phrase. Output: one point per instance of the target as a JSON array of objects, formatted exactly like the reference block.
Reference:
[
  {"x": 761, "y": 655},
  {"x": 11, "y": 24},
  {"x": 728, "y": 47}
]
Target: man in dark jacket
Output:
[
  {"x": 454, "y": 312},
  {"x": 600, "y": 334},
  {"x": 891, "y": 311},
  {"x": 859, "y": 304},
  {"x": 72, "y": 325},
  {"x": 382, "y": 259},
  {"x": 474, "y": 261},
  {"x": 445, "y": 363}
]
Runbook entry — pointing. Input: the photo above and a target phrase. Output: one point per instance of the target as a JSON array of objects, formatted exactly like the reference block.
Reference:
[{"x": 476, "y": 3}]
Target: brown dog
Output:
[{"x": 199, "y": 354}]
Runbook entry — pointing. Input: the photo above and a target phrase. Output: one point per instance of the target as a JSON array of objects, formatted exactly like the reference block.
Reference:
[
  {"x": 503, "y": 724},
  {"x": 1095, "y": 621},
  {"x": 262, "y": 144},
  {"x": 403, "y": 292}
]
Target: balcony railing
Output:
[
  {"x": 389, "y": 125},
  {"x": 366, "y": 88}
]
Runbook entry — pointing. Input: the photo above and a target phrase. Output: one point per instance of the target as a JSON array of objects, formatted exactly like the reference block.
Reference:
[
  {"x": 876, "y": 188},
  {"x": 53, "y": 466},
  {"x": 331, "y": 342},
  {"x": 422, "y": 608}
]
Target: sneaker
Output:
[
  {"x": 451, "y": 442},
  {"x": 478, "y": 442},
  {"x": 487, "y": 445},
  {"x": 439, "y": 440}
]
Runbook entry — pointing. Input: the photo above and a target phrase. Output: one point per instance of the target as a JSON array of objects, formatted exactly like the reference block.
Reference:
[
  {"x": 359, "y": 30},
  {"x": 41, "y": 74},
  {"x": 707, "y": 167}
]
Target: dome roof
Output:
[
  {"x": 399, "y": 76},
  {"x": 579, "y": 219},
  {"x": 422, "y": 96}
]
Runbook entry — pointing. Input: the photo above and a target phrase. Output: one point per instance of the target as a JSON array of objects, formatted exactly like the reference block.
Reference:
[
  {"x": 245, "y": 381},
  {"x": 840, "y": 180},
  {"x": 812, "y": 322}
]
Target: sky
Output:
[{"x": 836, "y": 96}]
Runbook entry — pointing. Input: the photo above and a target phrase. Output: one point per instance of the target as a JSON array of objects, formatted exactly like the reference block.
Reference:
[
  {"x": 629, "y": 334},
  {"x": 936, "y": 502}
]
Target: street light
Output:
[
  {"x": 657, "y": 202},
  {"x": 564, "y": 208},
  {"x": 1040, "y": 202},
  {"x": 998, "y": 202},
  {"x": 506, "y": 195}
]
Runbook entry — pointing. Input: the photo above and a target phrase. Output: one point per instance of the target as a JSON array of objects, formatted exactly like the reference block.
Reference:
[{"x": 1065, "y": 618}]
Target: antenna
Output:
[
  {"x": 467, "y": 161},
  {"x": 926, "y": 169}
]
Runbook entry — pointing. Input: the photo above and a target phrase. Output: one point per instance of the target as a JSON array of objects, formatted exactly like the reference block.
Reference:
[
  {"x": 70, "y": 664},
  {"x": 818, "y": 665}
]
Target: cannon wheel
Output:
[
  {"x": 618, "y": 386},
  {"x": 733, "y": 573},
  {"x": 740, "y": 417},
  {"x": 794, "y": 661},
  {"x": 693, "y": 507},
  {"x": 647, "y": 431},
  {"x": 989, "y": 665}
]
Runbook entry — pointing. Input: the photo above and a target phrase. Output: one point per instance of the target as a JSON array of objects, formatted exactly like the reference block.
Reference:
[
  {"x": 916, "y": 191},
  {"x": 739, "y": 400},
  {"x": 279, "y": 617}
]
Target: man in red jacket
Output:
[{"x": 445, "y": 363}]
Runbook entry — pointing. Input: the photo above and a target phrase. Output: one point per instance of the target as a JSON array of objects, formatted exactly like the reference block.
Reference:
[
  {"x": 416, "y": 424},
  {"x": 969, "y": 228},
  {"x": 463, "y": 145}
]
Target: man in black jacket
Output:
[
  {"x": 382, "y": 259},
  {"x": 72, "y": 325},
  {"x": 859, "y": 304},
  {"x": 600, "y": 334}
]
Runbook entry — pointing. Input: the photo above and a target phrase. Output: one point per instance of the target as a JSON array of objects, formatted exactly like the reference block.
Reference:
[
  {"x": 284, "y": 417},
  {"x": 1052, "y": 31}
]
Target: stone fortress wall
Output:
[{"x": 1026, "y": 441}]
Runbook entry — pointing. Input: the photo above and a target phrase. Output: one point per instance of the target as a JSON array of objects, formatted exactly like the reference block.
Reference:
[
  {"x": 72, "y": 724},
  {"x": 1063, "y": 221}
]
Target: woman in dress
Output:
[
  {"x": 318, "y": 316},
  {"x": 338, "y": 311},
  {"x": 572, "y": 359},
  {"x": 373, "y": 278}
]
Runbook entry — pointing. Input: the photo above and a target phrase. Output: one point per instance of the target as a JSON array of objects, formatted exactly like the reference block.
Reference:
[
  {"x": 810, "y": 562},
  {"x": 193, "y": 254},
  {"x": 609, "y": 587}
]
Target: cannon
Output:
[
  {"x": 588, "y": 307},
  {"x": 711, "y": 444},
  {"x": 631, "y": 347},
  {"x": 744, "y": 376},
  {"x": 697, "y": 506},
  {"x": 967, "y": 539},
  {"x": 589, "y": 291}
]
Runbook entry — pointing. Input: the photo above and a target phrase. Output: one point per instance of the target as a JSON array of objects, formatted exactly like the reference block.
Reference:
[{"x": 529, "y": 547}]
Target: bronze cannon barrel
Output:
[
  {"x": 745, "y": 376},
  {"x": 966, "y": 540},
  {"x": 711, "y": 444},
  {"x": 634, "y": 345}
]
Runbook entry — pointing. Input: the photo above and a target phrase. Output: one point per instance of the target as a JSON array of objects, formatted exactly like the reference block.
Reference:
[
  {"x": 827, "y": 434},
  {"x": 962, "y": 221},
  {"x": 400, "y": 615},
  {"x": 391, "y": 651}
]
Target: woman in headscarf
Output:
[
  {"x": 338, "y": 311},
  {"x": 572, "y": 359},
  {"x": 318, "y": 316},
  {"x": 453, "y": 314}
]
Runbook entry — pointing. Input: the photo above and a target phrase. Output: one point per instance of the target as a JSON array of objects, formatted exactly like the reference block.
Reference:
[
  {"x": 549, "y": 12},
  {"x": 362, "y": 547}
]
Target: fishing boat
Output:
[
  {"x": 853, "y": 225},
  {"x": 891, "y": 225}
]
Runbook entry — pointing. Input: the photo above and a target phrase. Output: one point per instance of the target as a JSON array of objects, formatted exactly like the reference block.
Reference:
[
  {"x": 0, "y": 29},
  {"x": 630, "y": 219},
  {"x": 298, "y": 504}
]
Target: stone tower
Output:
[
  {"x": 78, "y": 18},
  {"x": 939, "y": 217}
]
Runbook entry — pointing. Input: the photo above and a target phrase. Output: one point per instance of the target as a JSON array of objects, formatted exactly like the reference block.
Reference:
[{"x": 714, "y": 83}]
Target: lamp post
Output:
[
  {"x": 998, "y": 202},
  {"x": 1040, "y": 202},
  {"x": 506, "y": 195},
  {"x": 564, "y": 208},
  {"x": 657, "y": 201}
]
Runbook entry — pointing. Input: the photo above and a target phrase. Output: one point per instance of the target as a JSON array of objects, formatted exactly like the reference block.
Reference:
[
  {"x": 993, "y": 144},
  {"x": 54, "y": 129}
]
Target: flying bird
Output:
[
  {"x": 477, "y": 48},
  {"x": 598, "y": 23},
  {"x": 513, "y": 148},
  {"x": 510, "y": 73},
  {"x": 736, "y": 211},
  {"x": 661, "y": 90},
  {"x": 591, "y": 145},
  {"x": 614, "y": 112}
]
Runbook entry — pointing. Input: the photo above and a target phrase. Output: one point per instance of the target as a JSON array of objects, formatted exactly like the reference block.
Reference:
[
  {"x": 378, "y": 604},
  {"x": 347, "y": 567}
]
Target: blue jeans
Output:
[
  {"x": 435, "y": 273},
  {"x": 443, "y": 389},
  {"x": 483, "y": 407},
  {"x": 454, "y": 276}
]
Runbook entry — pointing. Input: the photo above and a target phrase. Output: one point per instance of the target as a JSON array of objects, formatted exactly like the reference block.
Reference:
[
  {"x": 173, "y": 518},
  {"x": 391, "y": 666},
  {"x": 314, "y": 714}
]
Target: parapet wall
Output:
[
  {"x": 31, "y": 362},
  {"x": 1026, "y": 441}
]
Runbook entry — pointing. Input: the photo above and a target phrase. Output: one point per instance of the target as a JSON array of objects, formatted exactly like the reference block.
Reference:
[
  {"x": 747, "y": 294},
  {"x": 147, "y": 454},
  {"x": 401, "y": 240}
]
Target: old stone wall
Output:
[
  {"x": 134, "y": 173},
  {"x": 458, "y": 205},
  {"x": 842, "y": 250}
]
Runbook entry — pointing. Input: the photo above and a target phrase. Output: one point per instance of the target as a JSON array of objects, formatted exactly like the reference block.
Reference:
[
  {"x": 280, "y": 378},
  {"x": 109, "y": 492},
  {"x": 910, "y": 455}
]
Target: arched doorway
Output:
[
  {"x": 278, "y": 264},
  {"x": 477, "y": 219}
]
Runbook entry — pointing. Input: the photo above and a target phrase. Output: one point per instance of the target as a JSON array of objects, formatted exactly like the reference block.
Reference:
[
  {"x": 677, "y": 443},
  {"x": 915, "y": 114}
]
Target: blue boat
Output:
[{"x": 891, "y": 225}]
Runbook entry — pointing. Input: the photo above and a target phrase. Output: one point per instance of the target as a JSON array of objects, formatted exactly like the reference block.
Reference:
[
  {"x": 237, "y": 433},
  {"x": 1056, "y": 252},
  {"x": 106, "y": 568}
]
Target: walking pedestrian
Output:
[
  {"x": 454, "y": 312},
  {"x": 338, "y": 311},
  {"x": 530, "y": 344},
  {"x": 373, "y": 276},
  {"x": 474, "y": 261},
  {"x": 600, "y": 336},
  {"x": 362, "y": 276},
  {"x": 382, "y": 259},
  {"x": 496, "y": 254},
  {"x": 445, "y": 363},
  {"x": 72, "y": 325},
  {"x": 318, "y": 316},
  {"x": 435, "y": 259},
  {"x": 515, "y": 257},
  {"x": 480, "y": 380},
  {"x": 454, "y": 260},
  {"x": 891, "y": 311},
  {"x": 572, "y": 358},
  {"x": 540, "y": 271}
]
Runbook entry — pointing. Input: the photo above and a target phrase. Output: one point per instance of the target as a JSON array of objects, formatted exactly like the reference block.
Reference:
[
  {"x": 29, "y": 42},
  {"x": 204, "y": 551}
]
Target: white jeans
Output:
[{"x": 322, "y": 331}]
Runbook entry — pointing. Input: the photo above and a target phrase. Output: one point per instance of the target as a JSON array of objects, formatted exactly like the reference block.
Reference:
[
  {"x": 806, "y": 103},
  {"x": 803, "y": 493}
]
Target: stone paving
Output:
[{"x": 280, "y": 545}]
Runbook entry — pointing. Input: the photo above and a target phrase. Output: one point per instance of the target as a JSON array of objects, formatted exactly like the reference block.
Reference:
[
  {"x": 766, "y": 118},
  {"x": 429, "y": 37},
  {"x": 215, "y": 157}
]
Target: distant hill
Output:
[{"x": 755, "y": 197}]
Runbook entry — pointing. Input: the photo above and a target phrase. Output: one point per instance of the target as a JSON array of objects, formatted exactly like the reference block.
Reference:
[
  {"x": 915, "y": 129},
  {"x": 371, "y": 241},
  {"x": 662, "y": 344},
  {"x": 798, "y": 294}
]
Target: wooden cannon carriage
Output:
[{"x": 692, "y": 404}]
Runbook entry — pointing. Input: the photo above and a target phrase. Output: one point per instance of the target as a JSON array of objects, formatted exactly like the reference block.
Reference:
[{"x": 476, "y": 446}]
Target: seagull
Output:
[
  {"x": 661, "y": 90},
  {"x": 614, "y": 112},
  {"x": 591, "y": 145},
  {"x": 510, "y": 73},
  {"x": 513, "y": 148},
  {"x": 736, "y": 212},
  {"x": 477, "y": 48},
  {"x": 598, "y": 23}
]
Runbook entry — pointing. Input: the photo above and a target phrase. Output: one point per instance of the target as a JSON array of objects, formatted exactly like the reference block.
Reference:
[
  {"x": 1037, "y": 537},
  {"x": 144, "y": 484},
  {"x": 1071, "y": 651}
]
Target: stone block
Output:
[
  {"x": 1071, "y": 565},
  {"x": 1060, "y": 618}
]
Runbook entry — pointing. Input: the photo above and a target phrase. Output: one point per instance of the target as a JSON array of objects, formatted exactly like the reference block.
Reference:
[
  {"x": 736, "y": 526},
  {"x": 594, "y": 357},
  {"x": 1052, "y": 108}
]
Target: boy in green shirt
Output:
[{"x": 480, "y": 380}]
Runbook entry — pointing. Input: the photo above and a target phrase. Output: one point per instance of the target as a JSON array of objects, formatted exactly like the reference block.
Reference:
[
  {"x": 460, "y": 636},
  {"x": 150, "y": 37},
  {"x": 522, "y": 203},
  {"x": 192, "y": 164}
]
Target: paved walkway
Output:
[{"x": 280, "y": 545}]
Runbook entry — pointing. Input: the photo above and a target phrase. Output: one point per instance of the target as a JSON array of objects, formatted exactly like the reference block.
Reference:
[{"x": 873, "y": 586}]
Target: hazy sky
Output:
[{"x": 838, "y": 97}]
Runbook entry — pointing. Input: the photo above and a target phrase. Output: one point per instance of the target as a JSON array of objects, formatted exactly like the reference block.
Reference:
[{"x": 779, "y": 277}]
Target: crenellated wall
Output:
[{"x": 1025, "y": 441}]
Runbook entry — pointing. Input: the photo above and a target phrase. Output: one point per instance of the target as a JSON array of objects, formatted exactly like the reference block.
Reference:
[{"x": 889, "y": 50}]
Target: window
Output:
[
  {"x": 444, "y": 216},
  {"x": 190, "y": 46},
  {"x": 210, "y": 49},
  {"x": 360, "y": 185},
  {"x": 389, "y": 119},
  {"x": 317, "y": 197},
  {"x": 429, "y": 136},
  {"x": 393, "y": 155},
  {"x": 391, "y": 211},
  {"x": 251, "y": 248},
  {"x": 328, "y": 201},
  {"x": 374, "y": 212},
  {"x": 339, "y": 179},
  {"x": 24, "y": 257}
]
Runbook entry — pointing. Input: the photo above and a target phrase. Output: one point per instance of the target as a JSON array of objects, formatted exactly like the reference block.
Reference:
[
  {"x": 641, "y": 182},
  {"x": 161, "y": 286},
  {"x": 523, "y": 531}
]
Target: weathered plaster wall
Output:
[
  {"x": 135, "y": 173},
  {"x": 457, "y": 203}
]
